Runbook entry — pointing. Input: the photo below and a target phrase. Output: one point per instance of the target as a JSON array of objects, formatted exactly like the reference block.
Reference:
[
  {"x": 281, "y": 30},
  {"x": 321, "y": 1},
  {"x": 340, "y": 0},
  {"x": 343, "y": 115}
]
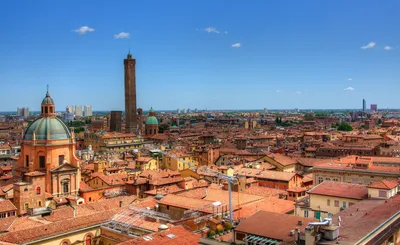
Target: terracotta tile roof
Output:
[
  {"x": 384, "y": 184},
  {"x": 84, "y": 187},
  {"x": 282, "y": 159},
  {"x": 112, "y": 179},
  {"x": 340, "y": 189},
  {"x": 175, "y": 235},
  {"x": 46, "y": 230},
  {"x": 275, "y": 175},
  {"x": 363, "y": 217},
  {"x": 223, "y": 197},
  {"x": 274, "y": 205},
  {"x": 264, "y": 191},
  {"x": 198, "y": 193},
  {"x": 6, "y": 206},
  {"x": 35, "y": 173},
  {"x": 184, "y": 202},
  {"x": 5, "y": 223},
  {"x": 283, "y": 224}
]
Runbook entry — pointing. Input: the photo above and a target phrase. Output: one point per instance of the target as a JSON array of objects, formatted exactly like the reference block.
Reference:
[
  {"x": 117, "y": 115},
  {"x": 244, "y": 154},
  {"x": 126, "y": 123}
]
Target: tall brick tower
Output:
[{"x": 130, "y": 95}]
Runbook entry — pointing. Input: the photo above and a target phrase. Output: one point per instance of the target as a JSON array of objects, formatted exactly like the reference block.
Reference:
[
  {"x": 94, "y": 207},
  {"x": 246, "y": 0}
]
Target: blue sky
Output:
[{"x": 213, "y": 54}]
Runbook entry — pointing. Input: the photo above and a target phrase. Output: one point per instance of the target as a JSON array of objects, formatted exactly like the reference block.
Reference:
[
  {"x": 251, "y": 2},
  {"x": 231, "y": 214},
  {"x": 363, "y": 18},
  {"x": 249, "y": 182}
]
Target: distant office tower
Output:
[
  {"x": 184, "y": 111},
  {"x": 68, "y": 115},
  {"x": 78, "y": 111},
  {"x": 195, "y": 110},
  {"x": 188, "y": 110},
  {"x": 178, "y": 111},
  {"x": 88, "y": 111},
  {"x": 364, "y": 105},
  {"x": 116, "y": 121},
  {"x": 70, "y": 108},
  {"x": 23, "y": 112},
  {"x": 374, "y": 107},
  {"x": 265, "y": 110},
  {"x": 130, "y": 95}
]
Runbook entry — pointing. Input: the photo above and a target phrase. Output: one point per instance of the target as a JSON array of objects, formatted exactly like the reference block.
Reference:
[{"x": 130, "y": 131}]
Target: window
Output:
[
  {"x": 88, "y": 240},
  {"x": 39, "y": 203},
  {"x": 26, "y": 206},
  {"x": 306, "y": 213},
  {"x": 3, "y": 215},
  {"x": 46, "y": 110},
  {"x": 65, "y": 187},
  {"x": 351, "y": 204},
  {"x": 51, "y": 109},
  {"x": 27, "y": 161},
  {"x": 42, "y": 161},
  {"x": 328, "y": 202},
  {"x": 26, "y": 189},
  {"x": 38, "y": 190},
  {"x": 344, "y": 204},
  {"x": 382, "y": 193},
  {"x": 90, "y": 199},
  {"x": 320, "y": 180},
  {"x": 336, "y": 203},
  {"x": 60, "y": 159},
  {"x": 167, "y": 207}
]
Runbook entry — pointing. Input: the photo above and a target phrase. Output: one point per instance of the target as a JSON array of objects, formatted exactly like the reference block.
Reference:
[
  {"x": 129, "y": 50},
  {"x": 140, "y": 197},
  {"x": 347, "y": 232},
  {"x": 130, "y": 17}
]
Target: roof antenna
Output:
[{"x": 47, "y": 88}]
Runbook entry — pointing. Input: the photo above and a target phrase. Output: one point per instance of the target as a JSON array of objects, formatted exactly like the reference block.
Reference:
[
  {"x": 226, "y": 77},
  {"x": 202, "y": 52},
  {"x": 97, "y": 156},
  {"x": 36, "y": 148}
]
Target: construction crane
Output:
[{"x": 230, "y": 179}]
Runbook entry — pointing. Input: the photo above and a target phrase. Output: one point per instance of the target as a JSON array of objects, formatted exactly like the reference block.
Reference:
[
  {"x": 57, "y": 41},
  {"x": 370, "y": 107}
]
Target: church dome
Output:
[
  {"x": 47, "y": 100},
  {"x": 151, "y": 119},
  {"x": 47, "y": 128}
]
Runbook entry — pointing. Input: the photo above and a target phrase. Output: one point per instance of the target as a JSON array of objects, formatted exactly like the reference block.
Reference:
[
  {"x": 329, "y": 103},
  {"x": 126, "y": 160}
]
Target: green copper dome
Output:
[
  {"x": 47, "y": 100},
  {"x": 151, "y": 120},
  {"x": 47, "y": 128}
]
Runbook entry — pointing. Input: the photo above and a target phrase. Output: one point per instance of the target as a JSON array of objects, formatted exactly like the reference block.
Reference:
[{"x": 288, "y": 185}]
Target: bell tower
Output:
[
  {"x": 130, "y": 95},
  {"x": 48, "y": 108}
]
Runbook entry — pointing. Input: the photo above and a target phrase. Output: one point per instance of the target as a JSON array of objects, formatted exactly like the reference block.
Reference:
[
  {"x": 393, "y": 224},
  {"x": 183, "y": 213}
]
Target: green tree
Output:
[{"x": 345, "y": 127}]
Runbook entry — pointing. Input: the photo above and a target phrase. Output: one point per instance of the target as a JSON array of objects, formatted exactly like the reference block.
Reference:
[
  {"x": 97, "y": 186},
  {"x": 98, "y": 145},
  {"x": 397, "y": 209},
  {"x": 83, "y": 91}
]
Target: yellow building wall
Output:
[
  {"x": 348, "y": 177},
  {"x": 374, "y": 193},
  {"x": 178, "y": 164},
  {"x": 151, "y": 165},
  {"x": 97, "y": 183},
  {"x": 76, "y": 238},
  {"x": 319, "y": 202}
]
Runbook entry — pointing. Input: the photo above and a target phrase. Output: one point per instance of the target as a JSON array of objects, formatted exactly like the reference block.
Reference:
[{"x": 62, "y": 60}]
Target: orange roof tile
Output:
[
  {"x": 384, "y": 184},
  {"x": 340, "y": 189}
]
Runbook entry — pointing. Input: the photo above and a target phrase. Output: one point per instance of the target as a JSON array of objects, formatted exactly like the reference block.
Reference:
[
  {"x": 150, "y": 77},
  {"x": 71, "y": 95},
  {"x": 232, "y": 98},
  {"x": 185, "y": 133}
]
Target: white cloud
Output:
[
  {"x": 236, "y": 45},
  {"x": 369, "y": 45},
  {"x": 211, "y": 30},
  {"x": 350, "y": 79},
  {"x": 349, "y": 89},
  {"x": 84, "y": 29},
  {"x": 226, "y": 32},
  {"x": 388, "y": 48},
  {"x": 299, "y": 92},
  {"x": 121, "y": 35}
]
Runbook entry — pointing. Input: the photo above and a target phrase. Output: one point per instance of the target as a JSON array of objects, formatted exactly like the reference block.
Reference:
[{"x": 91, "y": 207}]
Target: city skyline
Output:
[{"x": 309, "y": 55}]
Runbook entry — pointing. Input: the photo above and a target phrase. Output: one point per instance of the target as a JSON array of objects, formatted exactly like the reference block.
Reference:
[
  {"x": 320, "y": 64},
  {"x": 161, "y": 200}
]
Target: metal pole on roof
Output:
[{"x": 230, "y": 202}]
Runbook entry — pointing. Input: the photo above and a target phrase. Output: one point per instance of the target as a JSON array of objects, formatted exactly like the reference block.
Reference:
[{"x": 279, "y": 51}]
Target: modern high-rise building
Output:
[
  {"x": 78, "y": 111},
  {"x": 265, "y": 110},
  {"x": 364, "y": 106},
  {"x": 70, "y": 109},
  {"x": 178, "y": 111},
  {"x": 88, "y": 110},
  {"x": 116, "y": 121},
  {"x": 23, "y": 112},
  {"x": 130, "y": 95},
  {"x": 374, "y": 107}
]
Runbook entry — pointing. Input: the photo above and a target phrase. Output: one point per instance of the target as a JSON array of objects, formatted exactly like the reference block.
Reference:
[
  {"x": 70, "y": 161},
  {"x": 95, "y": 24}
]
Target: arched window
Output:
[
  {"x": 38, "y": 190},
  {"x": 88, "y": 240}
]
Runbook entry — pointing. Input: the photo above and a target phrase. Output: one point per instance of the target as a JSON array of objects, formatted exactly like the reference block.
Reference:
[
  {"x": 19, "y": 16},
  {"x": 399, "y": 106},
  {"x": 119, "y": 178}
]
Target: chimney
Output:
[
  {"x": 300, "y": 222},
  {"x": 291, "y": 233},
  {"x": 121, "y": 203}
]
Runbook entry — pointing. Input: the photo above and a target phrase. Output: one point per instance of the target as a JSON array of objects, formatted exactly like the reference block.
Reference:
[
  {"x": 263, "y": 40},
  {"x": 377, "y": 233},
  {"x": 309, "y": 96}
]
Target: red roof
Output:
[
  {"x": 282, "y": 225},
  {"x": 175, "y": 235},
  {"x": 384, "y": 184},
  {"x": 7, "y": 206},
  {"x": 340, "y": 189}
]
